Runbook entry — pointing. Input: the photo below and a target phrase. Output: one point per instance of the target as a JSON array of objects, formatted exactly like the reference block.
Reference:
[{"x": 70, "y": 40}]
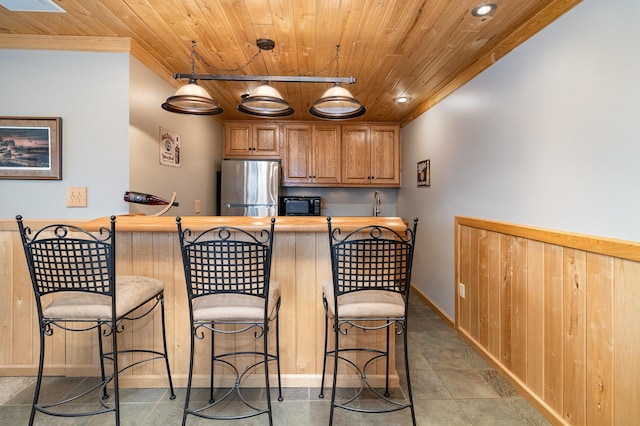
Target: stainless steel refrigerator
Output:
[{"x": 249, "y": 187}]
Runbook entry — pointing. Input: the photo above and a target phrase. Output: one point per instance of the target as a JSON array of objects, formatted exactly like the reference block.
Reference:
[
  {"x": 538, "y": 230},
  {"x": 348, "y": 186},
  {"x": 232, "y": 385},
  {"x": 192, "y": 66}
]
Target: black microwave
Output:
[{"x": 300, "y": 206}]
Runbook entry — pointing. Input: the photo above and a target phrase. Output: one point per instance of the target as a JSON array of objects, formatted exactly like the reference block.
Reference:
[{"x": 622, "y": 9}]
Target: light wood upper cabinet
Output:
[
  {"x": 250, "y": 139},
  {"x": 371, "y": 155},
  {"x": 321, "y": 154},
  {"x": 311, "y": 155}
]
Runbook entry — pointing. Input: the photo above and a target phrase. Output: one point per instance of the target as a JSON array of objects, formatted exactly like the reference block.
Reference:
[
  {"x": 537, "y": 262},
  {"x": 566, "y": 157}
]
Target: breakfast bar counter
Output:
[{"x": 148, "y": 245}]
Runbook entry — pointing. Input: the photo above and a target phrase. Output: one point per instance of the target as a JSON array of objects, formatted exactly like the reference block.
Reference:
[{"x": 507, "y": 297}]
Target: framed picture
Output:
[
  {"x": 31, "y": 148},
  {"x": 424, "y": 173}
]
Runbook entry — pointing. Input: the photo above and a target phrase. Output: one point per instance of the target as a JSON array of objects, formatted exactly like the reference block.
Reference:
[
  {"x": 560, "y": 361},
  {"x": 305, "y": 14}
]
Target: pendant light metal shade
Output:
[
  {"x": 265, "y": 101},
  {"x": 337, "y": 103},
  {"x": 192, "y": 99}
]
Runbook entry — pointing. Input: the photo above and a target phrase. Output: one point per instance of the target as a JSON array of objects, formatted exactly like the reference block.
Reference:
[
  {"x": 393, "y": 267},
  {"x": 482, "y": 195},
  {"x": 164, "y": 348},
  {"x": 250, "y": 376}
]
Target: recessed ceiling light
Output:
[
  {"x": 31, "y": 6},
  {"x": 484, "y": 9},
  {"x": 403, "y": 99}
]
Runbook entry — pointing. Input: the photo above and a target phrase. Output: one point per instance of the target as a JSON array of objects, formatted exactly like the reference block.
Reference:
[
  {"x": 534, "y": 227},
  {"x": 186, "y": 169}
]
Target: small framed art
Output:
[
  {"x": 424, "y": 173},
  {"x": 31, "y": 148}
]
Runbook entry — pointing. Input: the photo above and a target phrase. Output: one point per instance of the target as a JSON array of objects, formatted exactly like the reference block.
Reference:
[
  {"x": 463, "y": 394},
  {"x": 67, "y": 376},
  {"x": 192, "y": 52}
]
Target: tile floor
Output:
[{"x": 451, "y": 384}]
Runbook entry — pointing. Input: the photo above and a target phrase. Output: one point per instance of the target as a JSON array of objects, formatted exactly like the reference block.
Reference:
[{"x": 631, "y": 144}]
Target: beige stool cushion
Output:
[
  {"x": 236, "y": 307},
  {"x": 131, "y": 290},
  {"x": 365, "y": 303}
]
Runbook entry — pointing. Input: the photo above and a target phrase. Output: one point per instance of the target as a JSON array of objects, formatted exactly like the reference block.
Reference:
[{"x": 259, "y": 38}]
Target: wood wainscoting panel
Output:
[
  {"x": 557, "y": 314},
  {"x": 626, "y": 389}
]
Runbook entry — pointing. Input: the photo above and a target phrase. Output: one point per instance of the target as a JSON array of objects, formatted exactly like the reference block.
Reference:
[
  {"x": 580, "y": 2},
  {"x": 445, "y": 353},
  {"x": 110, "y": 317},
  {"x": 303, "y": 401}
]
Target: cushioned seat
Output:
[
  {"x": 133, "y": 291},
  {"x": 364, "y": 303},
  {"x": 236, "y": 307}
]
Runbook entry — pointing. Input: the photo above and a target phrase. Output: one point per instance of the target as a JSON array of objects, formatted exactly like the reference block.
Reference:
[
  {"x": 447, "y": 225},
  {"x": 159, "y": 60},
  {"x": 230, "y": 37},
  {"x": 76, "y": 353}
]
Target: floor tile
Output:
[{"x": 465, "y": 384}]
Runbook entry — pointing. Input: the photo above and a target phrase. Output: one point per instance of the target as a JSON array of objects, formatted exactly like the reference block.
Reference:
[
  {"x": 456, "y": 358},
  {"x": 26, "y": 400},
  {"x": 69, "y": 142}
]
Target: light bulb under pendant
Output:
[
  {"x": 192, "y": 99},
  {"x": 265, "y": 101},
  {"x": 337, "y": 103}
]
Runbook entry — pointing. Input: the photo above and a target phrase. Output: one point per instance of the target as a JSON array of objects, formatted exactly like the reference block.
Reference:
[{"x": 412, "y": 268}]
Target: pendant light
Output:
[
  {"x": 191, "y": 98},
  {"x": 337, "y": 103},
  {"x": 265, "y": 101}
]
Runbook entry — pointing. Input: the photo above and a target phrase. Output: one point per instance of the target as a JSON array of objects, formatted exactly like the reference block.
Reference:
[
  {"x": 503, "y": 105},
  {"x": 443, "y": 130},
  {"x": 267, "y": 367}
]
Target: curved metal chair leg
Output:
[
  {"x": 386, "y": 386},
  {"x": 406, "y": 369},
  {"x": 335, "y": 369},
  {"x": 278, "y": 353},
  {"x": 189, "y": 380},
  {"x": 265, "y": 345},
  {"x": 105, "y": 395},
  {"x": 36, "y": 396},
  {"x": 164, "y": 346},
  {"x": 116, "y": 385},
  {"x": 324, "y": 359},
  {"x": 213, "y": 358}
]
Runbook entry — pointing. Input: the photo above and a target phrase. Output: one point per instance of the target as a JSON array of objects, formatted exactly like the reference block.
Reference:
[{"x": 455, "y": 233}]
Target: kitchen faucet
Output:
[{"x": 377, "y": 202}]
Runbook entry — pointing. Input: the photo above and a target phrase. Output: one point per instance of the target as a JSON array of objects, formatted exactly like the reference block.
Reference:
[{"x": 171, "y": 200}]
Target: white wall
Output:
[
  {"x": 111, "y": 114},
  {"x": 548, "y": 137},
  {"x": 200, "y": 154},
  {"x": 90, "y": 91}
]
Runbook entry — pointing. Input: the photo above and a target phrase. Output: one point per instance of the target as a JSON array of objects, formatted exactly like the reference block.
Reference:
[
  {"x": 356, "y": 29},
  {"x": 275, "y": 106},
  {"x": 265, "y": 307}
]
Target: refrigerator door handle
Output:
[{"x": 230, "y": 205}]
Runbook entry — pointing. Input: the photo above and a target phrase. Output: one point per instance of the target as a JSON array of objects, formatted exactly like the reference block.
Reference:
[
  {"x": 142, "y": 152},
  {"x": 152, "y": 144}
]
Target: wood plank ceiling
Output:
[{"x": 424, "y": 49}]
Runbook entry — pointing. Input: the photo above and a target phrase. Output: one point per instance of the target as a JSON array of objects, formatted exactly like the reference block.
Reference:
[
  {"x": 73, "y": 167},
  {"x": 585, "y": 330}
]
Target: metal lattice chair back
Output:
[
  {"x": 227, "y": 260},
  {"x": 371, "y": 258},
  {"x": 67, "y": 258}
]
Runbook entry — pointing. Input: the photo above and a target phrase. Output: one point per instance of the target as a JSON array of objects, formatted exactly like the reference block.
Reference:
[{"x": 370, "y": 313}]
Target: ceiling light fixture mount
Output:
[
  {"x": 484, "y": 9},
  {"x": 263, "y": 101},
  {"x": 402, "y": 99}
]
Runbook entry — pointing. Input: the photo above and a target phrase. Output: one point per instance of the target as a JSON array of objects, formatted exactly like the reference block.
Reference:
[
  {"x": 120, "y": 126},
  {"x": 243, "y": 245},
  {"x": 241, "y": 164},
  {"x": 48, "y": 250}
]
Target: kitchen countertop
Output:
[{"x": 143, "y": 223}]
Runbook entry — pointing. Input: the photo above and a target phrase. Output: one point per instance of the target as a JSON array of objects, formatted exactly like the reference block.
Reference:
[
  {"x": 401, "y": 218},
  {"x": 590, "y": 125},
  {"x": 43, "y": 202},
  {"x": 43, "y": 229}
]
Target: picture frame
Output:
[
  {"x": 31, "y": 148},
  {"x": 424, "y": 173}
]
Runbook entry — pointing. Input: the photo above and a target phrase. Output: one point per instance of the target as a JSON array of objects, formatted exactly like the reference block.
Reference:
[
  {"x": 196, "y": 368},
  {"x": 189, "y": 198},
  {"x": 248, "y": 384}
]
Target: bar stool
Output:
[
  {"x": 79, "y": 268},
  {"x": 371, "y": 278},
  {"x": 227, "y": 272}
]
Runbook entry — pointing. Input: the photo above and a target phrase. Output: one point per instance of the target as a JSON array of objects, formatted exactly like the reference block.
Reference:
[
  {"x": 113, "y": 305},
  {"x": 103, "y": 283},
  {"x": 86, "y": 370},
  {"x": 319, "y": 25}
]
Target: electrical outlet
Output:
[
  {"x": 197, "y": 207},
  {"x": 77, "y": 196},
  {"x": 461, "y": 291}
]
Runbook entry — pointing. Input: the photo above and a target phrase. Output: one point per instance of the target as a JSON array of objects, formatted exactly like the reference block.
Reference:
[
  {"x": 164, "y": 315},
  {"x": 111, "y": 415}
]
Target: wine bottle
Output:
[{"x": 142, "y": 198}]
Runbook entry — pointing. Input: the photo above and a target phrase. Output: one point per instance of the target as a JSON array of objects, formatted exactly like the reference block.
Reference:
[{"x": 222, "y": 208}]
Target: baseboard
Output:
[{"x": 433, "y": 306}]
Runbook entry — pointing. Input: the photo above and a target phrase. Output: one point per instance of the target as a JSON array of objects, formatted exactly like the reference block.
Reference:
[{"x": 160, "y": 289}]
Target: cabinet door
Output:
[
  {"x": 326, "y": 155},
  {"x": 266, "y": 140},
  {"x": 356, "y": 158},
  {"x": 385, "y": 155},
  {"x": 238, "y": 140},
  {"x": 244, "y": 139},
  {"x": 296, "y": 146}
]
